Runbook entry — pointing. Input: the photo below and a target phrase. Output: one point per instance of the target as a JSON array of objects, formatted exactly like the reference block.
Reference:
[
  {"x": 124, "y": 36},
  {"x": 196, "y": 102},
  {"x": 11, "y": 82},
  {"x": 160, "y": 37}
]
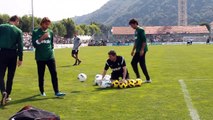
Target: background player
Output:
[
  {"x": 75, "y": 50},
  {"x": 118, "y": 66}
]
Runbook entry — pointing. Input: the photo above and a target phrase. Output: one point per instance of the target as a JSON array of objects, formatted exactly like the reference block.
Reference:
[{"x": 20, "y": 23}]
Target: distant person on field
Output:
[
  {"x": 189, "y": 42},
  {"x": 11, "y": 46},
  {"x": 75, "y": 49},
  {"x": 118, "y": 66},
  {"x": 42, "y": 40},
  {"x": 139, "y": 50},
  {"x": 208, "y": 40}
]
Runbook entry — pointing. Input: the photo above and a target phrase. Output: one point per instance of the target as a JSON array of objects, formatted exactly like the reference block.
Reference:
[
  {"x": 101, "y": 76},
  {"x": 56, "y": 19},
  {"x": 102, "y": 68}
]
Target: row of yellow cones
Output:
[{"x": 127, "y": 84}]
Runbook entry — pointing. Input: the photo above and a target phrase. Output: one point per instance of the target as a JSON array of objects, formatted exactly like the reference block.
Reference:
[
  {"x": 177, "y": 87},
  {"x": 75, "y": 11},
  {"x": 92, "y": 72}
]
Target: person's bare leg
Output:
[
  {"x": 74, "y": 56},
  {"x": 77, "y": 59}
]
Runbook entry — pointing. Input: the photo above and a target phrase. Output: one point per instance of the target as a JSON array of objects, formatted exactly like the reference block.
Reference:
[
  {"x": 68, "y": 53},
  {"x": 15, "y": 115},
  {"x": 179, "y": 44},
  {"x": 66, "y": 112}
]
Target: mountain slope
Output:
[{"x": 148, "y": 12}]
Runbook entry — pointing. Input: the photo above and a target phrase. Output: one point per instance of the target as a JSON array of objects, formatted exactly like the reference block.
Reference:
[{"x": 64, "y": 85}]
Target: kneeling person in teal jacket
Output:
[{"x": 42, "y": 40}]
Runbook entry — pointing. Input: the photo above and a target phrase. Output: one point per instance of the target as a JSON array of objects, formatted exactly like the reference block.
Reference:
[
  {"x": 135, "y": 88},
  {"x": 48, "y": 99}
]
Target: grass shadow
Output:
[
  {"x": 76, "y": 92},
  {"x": 104, "y": 89},
  {"x": 113, "y": 89},
  {"x": 3, "y": 107},
  {"x": 65, "y": 66},
  {"x": 31, "y": 99}
]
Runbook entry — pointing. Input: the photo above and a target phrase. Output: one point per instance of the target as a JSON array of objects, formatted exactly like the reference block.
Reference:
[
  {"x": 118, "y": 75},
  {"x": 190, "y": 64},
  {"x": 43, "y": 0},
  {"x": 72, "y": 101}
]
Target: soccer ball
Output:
[
  {"x": 105, "y": 84},
  {"x": 107, "y": 77},
  {"x": 98, "y": 79},
  {"x": 98, "y": 76},
  {"x": 138, "y": 82},
  {"x": 115, "y": 84},
  {"x": 131, "y": 83},
  {"x": 82, "y": 77},
  {"x": 122, "y": 85}
]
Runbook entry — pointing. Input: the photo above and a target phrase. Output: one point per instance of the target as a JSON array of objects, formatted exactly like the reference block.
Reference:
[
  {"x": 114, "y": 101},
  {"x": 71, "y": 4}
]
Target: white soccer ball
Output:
[
  {"x": 107, "y": 77},
  {"x": 98, "y": 79},
  {"x": 82, "y": 77},
  {"x": 105, "y": 84}
]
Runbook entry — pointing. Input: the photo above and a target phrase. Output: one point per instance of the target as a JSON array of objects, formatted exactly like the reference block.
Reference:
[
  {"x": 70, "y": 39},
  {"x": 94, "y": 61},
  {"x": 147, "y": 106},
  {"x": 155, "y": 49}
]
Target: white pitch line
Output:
[{"x": 193, "y": 112}]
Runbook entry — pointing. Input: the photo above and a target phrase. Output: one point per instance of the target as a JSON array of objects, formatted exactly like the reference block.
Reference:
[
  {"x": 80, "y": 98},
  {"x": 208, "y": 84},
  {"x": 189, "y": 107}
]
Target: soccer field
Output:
[{"x": 161, "y": 100}]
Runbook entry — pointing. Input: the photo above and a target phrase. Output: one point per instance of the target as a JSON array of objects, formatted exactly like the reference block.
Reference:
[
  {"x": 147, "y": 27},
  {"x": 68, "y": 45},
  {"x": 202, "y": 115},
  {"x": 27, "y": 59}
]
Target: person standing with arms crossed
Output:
[
  {"x": 75, "y": 49},
  {"x": 11, "y": 46},
  {"x": 139, "y": 50},
  {"x": 42, "y": 40}
]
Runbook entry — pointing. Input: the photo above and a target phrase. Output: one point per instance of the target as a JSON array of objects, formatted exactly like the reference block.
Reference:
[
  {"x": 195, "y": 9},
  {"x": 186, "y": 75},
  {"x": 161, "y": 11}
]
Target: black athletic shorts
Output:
[
  {"x": 75, "y": 52},
  {"x": 117, "y": 75}
]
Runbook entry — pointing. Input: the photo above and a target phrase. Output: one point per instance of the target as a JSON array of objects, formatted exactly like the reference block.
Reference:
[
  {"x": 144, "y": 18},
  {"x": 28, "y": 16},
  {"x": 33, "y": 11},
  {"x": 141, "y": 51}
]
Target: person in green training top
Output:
[
  {"x": 139, "y": 50},
  {"x": 42, "y": 40},
  {"x": 11, "y": 46}
]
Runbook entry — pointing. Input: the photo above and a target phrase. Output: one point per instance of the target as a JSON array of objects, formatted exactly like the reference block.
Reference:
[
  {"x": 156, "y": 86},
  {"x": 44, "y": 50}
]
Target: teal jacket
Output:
[
  {"x": 43, "y": 50},
  {"x": 11, "y": 37}
]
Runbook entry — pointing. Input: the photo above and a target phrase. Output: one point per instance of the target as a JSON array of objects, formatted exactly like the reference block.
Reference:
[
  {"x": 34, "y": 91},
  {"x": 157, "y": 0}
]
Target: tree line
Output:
[{"x": 64, "y": 28}]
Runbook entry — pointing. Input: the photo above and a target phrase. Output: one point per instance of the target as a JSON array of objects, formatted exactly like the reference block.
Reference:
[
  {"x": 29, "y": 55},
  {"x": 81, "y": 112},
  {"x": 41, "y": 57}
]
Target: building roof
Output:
[{"x": 156, "y": 30}]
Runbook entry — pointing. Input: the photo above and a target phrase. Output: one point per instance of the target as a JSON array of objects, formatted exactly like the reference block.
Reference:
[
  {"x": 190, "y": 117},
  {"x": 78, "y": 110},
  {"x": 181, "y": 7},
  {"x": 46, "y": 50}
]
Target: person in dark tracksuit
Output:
[
  {"x": 42, "y": 40},
  {"x": 139, "y": 50},
  {"x": 11, "y": 46}
]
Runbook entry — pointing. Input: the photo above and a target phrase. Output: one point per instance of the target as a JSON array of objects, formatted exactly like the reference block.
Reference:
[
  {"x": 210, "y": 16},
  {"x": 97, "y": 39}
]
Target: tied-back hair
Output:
[
  {"x": 45, "y": 20},
  {"x": 133, "y": 21},
  {"x": 14, "y": 18}
]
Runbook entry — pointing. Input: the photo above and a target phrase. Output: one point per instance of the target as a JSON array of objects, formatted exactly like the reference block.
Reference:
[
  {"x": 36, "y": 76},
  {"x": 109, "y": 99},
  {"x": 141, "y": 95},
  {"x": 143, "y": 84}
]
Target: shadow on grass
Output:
[
  {"x": 113, "y": 89},
  {"x": 76, "y": 92},
  {"x": 31, "y": 99},
  {"x": 65, "y": 66},
  {"x": 104, "y": 89},
  {"x": 3, "y": 107}
]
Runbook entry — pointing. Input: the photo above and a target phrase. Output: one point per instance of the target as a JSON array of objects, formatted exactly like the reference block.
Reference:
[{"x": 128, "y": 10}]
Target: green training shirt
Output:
[
  {"x": 140, "y": 38},
  {"x": 44, "y": 49},
  {"x": 11, "y": 37}
]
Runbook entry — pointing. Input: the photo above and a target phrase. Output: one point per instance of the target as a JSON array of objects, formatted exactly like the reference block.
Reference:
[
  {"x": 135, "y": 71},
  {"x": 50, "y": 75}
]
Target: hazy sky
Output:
[{"x": 54, "y": 9}]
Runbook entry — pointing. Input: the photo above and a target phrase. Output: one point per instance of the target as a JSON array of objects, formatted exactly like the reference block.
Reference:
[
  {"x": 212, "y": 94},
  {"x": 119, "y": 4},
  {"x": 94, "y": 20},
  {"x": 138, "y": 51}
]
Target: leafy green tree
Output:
[
  {"x": 26, "y": 23},
  {"x": 80, "y": 30},
  {"x": 94, "y": 29},
  {"x": 104, "y": 28},
  {"x": 54, "y": 28},
  {"x": 70, "y": 27},
  {"x": 36, "y": 22},
  {"x": 85, "y": 28},
  {"x": 59, "y": 29},
  {"x": 63, "y": 28},
  {"x": 4, "y": 18}
]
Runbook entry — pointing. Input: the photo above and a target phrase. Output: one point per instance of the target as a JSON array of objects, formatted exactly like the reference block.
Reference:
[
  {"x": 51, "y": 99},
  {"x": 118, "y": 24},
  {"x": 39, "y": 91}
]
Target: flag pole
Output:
[{"x": 32, "y": 6}]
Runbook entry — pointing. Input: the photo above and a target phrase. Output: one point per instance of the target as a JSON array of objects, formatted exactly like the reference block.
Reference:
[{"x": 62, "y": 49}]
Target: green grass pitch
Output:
[{"x": 161, "y": 100}]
